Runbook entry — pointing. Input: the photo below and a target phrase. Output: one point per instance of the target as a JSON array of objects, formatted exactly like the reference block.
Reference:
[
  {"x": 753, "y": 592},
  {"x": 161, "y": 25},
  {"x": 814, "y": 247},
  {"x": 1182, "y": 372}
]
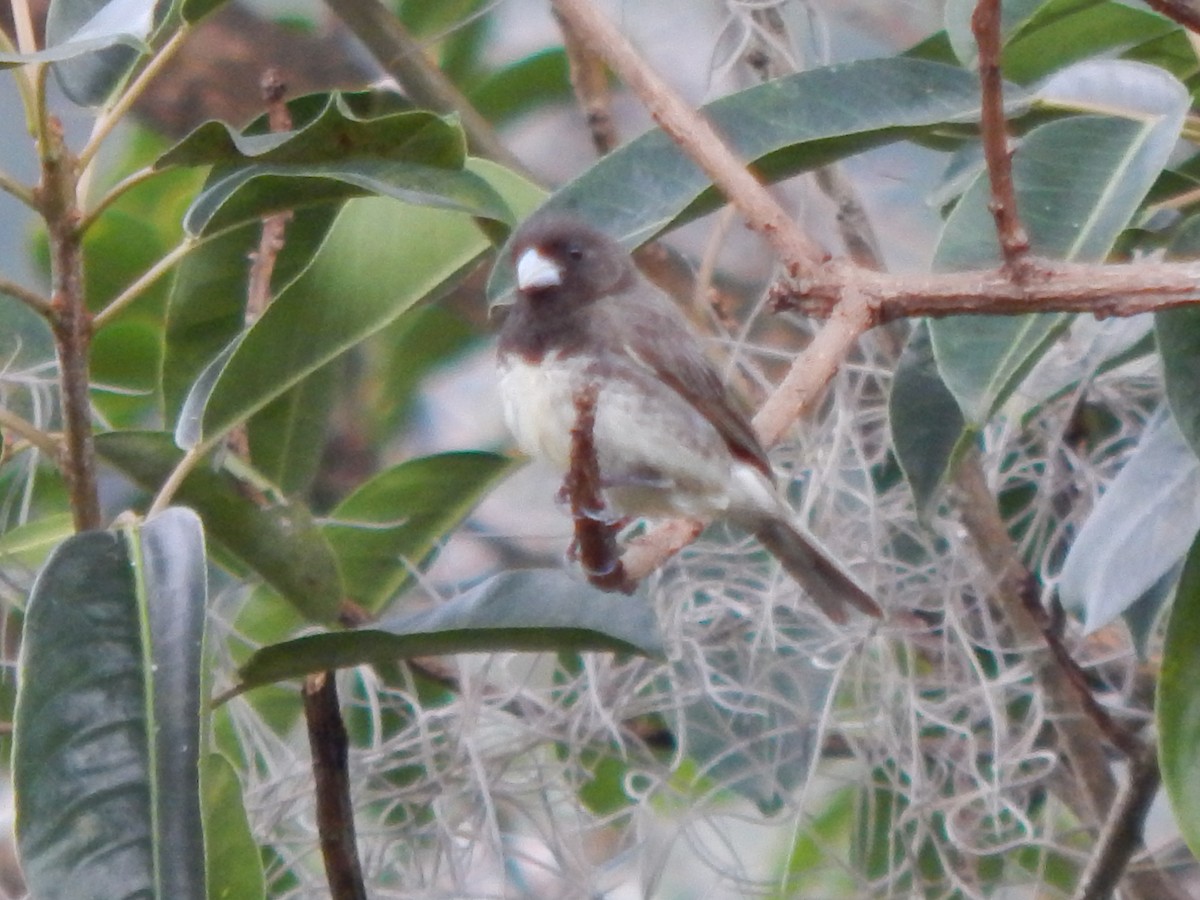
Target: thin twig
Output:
[
  {"x": 1122, "y": 832},
  {"x": 330, "y": 748},
  {"x": 799, "y": 254},
  {"x": 589, "y": 79},
  {"x": 111, "y": 117},
  {"x": 22, "y": 192},
  {"x": 147, "y": 279},
  {"x": 402, "y": 57},
  {"x": 171, "y": 485},
  {"x": 1014, "y": 241},
  {"x": 115, "y": 193},
  {"x": 43, "y": 440},
  {"x": 258, "y": 291},
  {"x": 32, "y": 299}
]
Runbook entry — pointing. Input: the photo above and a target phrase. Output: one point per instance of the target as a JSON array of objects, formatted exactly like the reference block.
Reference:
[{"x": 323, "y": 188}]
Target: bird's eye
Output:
[{"x": 575, "y": 252}]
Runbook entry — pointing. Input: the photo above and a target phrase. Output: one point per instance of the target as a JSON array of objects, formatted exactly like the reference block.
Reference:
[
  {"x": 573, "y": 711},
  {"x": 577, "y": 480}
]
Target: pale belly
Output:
[{"x": 657, "y": 455}]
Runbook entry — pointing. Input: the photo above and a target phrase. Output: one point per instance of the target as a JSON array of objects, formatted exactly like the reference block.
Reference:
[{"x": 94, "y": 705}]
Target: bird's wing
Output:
[{"x": 666, "y": 346}]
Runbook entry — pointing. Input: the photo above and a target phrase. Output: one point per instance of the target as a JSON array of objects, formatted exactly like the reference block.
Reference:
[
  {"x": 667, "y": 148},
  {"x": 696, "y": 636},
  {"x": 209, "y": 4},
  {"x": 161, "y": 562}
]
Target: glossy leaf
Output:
[
  {"x": 1177, "y": 707},
  {"x": 174, "y": 596},
  {"x": 27, "y": 546},
  {"x": 334, "y": 133},
  {"x": 107, "y": 724},
  {"x": 523, "y": 86},
  {"x": 235, "y": 869},
  {"x": 390, "y": 524},
  {"x": 380, "y": 259},
  {"x": 105, "y": 37},
  {"x": 250, "y": 192},
  {"x": 928, "y": 430},
  {"x": 1178, "y": 335},
  {"x": 784, "y": 127},
  {"x": 1079, "y": 181},
  {"x": 287, "y": 436},
  {"x": 1062, "y": 32},
  {"x": 534, "y": 610},
  {"x": 278, "y": 541},
  {"x": 1139, "y": 531},
  {"x": 207, "y": 305}
]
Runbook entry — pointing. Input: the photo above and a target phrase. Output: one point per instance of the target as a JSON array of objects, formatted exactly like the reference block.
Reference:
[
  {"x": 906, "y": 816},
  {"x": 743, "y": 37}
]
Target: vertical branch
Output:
[
  {"x": 1014, "y": 241},
  {"x": 589, "y": 79},
  {"x": 595, "y": 538},
  {"x": 71, "y": 322},
  {"x": 258, "y": 292},
  {"x": 335, "y": 814}
]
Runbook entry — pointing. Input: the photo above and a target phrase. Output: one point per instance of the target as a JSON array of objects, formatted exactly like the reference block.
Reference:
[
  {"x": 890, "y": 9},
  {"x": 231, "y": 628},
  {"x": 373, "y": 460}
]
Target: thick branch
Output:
[
  {"x": 589, "y": 79},
  {"x": 1014, "y": 242},
  {"x": 1099, "y": 290},
  {"x": 799, "y": 254},
  {"x": 72, "y": 325},
  {"x": 335, "y": 814}
]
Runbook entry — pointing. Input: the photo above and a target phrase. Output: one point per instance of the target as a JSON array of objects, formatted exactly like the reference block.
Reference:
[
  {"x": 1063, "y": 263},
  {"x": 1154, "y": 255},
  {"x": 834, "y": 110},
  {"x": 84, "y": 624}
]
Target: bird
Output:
[{"x": 670, "y": 439}]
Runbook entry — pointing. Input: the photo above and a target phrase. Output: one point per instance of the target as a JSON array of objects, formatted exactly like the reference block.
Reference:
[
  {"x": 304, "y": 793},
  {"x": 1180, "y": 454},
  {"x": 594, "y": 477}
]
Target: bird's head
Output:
[{"x": 563, "y": 259}]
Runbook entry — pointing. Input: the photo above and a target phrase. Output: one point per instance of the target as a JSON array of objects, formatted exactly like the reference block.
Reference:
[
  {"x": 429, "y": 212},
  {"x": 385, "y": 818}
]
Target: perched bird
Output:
[{"x": 669, "y": 438}]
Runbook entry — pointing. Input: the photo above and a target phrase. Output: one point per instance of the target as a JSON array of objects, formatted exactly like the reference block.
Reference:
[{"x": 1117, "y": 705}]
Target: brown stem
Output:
[
  {"x": 1081, "y": 735},
  {"x": 589, "y": 79},
  {"x": 32, "y": 299},
  {"x": 71, "y": 323},
  {"x": 1014, "y": 242},
  {"x": 258, "y": 292},
  {"x": 799, "y": 254},
  {"x": 1102, "y": 291},
  {"x": 402, "y": 57},
  {"x": 595, "y": 538},
  {"x": 1122, "y": 833},
  {"x": 335, "y": 814}
]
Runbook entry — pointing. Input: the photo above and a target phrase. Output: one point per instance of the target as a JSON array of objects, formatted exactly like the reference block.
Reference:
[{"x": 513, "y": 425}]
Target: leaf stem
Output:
[
  {"x": 43, "y": 440},
  {"x": 146, "y": 280},
  {"x": 32, "y": 299},
  {"x": 115, "y": 193}
]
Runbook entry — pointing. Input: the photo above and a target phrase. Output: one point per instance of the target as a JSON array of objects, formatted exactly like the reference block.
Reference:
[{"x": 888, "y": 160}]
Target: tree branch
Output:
[
  {"x": 402, "y": 57},
  {"x": 799, "y": 254},
  {"x": 1014, "y": 242},
  {"x": 1099, "y": 290},
  {"x": 32, "y": 299},
  {"x": 335, "y": 813}
]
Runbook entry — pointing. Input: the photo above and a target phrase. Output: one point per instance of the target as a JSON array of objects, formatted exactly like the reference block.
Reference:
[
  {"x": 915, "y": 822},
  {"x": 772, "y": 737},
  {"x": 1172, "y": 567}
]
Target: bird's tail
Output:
[{"x": 830, "y": 587}]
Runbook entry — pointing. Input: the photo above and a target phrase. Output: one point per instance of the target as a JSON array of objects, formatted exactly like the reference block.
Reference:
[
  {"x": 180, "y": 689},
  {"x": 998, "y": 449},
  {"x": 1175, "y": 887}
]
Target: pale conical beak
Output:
[{"x": 536, "y": 270}]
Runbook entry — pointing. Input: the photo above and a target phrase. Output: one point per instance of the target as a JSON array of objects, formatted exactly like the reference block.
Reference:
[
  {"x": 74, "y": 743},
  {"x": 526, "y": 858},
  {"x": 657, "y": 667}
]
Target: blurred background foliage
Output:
[{"x": 341, "y": 495}]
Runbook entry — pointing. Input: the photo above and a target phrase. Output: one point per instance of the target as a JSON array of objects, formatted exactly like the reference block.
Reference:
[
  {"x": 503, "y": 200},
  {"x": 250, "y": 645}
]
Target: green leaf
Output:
[
  {"x": 207, "y": 305},
  {"x": 1178, "y": 335},
  {"x": 1062, "y": 32},
  {"x": 534, "y": 610},
  {"x": 335, "y": 133},
  {"x": 235, "y": 869},
  {"x": 1078, "y": 183},
  {"x": 957, "y": 18},
  {"x": 389, "y": 525},
  {"x": 1177, "y": 708},
  {"x": 380, "y": 258},
  {"x": 105, "y": 38},
  {"x": 173, "y": 592},
  {"x": 287, "y": 436},
  {"x": 1140, "y": 529},
  {"x": 107, "y": 722},
  {"x": 928, "y": 430},
  {"x": 528, "y": 84},
  {"x": 251, "y": 192},
  {"x": 413, "y": 156},
  {"x": 27, "y": 546},
  {"x": 784, "y": 127},
  {"x": 279, "y": 542}
]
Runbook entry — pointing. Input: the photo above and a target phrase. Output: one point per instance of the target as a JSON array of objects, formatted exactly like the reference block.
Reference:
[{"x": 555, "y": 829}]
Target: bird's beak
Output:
[{"x": 535, "y": 270}]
